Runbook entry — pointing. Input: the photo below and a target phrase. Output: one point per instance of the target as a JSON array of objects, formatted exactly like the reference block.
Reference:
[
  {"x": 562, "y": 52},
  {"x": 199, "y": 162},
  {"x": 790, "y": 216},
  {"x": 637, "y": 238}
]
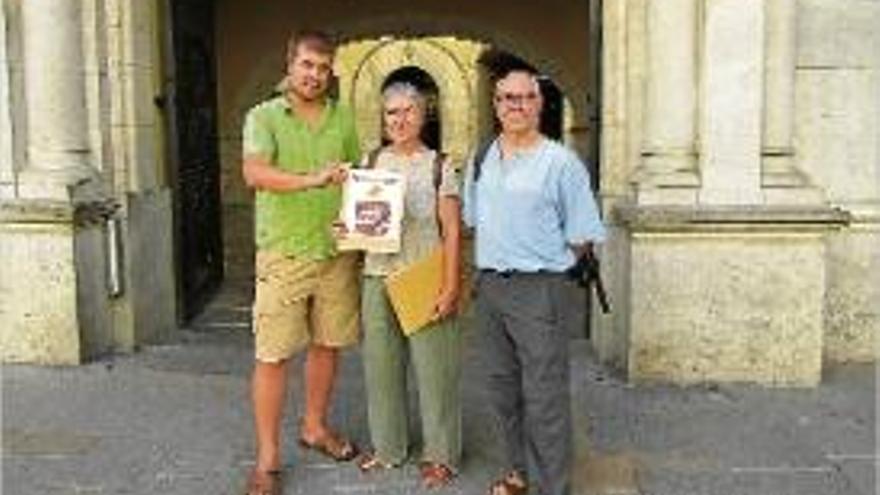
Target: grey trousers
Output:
[
  {"x": 435, "y": 354},
  {"x": 524, "y": 343}
]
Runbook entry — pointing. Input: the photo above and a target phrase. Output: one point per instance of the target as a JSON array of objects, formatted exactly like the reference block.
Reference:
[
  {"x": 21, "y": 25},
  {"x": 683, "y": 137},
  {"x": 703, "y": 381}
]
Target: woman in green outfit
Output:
[{"x": 431, "y": 217}]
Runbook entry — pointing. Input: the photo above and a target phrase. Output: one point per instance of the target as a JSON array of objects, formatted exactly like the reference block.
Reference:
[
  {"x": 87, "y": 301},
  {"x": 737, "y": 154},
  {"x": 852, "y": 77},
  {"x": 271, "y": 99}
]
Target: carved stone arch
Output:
[
  {"x": 456, "y": 95},
  {"x": 415, "y": 25},
  {"x": 541, "y": 55}
]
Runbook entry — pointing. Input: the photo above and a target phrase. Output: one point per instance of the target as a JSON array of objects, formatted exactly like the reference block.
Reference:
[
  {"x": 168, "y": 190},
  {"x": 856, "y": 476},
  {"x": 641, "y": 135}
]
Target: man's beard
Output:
[{"x": 308, "y": 95}]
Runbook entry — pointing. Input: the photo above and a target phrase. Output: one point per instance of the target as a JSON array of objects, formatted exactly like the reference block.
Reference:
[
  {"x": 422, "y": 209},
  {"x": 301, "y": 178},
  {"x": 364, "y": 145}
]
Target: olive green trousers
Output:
[{"x": 435, "y": 354}]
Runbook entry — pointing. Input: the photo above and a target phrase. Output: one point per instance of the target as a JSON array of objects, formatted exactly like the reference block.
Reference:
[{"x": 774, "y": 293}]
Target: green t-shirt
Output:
[{"x": 298, "y": 223}]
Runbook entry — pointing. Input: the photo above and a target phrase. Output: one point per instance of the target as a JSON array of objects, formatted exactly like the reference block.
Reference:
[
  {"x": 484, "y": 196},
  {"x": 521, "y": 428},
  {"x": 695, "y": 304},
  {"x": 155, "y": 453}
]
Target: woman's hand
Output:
[{"x": 447, "y": 303}]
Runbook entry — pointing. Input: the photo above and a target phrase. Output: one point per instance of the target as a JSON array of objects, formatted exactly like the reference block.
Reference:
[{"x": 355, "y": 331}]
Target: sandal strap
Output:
[
  {"x": 436, "y": 474},
  {"x": 332, "y": 445},
  {"x": 371, "y": 461},
  {"x": 511, "y": 484}
]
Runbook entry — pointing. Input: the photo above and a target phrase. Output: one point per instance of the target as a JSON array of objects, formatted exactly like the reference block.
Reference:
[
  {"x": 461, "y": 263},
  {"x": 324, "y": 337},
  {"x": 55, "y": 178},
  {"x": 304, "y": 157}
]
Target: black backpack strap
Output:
[
  {"x": 480, "y": 156},
  {"x": 439, "y": 160},
  {"x": 373, "y": 156}
]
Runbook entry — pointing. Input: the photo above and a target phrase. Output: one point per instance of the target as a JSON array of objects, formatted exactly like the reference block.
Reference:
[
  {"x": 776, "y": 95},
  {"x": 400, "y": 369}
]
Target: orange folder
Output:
[{"x": 413, "y": 291}]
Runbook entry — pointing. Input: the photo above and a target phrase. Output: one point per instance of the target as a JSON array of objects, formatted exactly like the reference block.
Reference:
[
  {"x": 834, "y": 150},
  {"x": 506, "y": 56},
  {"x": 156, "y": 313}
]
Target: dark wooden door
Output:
[{"x": 196, "y": 169}]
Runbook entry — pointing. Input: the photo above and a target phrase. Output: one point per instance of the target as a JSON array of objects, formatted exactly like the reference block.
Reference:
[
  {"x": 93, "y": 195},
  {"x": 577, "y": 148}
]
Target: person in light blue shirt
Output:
[
  {"x": 533, "y": 214},
  {"x": 531, "y": 208}
]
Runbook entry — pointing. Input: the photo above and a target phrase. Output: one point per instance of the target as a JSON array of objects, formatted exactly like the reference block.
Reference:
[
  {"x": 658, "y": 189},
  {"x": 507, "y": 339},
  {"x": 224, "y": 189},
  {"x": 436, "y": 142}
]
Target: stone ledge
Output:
[
  {"x": 862, "y": 212},
  {"x": 41, "y": 211},
  {"x": 730, "y": 218}
]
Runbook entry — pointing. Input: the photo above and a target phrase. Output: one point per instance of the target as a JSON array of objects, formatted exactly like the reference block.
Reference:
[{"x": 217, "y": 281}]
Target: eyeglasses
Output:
[
  {"x": 407, "y": 111},
  {"x": 515, "y": 99}
]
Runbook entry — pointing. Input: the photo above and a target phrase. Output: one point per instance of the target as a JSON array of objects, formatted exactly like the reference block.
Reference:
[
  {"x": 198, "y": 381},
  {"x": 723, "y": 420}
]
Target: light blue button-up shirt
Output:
[{"x": 528, "y": 208}]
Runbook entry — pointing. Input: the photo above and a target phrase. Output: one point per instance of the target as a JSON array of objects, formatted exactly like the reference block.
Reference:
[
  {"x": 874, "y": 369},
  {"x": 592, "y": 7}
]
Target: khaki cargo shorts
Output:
[{"x": 300, "y": 301}]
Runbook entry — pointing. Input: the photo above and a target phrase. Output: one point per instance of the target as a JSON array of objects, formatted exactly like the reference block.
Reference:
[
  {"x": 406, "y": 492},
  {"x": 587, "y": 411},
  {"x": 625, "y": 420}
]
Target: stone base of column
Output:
[
  {"x": 783, "y": 184},
  {"x": 724, "y": 294},
  {"x": 55, "y": 307},
  {"x": 853, "y": 313},
  {"x": 667, "y": 178},
  {"x": 74, "y": 185}
]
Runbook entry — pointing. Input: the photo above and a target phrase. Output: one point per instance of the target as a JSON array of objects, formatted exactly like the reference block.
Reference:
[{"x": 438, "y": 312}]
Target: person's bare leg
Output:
[
  {"x": 268, "y": 392},
  {"x": 320, "y": 377}
]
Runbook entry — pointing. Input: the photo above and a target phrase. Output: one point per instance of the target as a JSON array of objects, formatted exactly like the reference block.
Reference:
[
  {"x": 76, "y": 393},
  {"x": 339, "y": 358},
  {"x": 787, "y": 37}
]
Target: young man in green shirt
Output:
[{"x": 296, "y": 148}]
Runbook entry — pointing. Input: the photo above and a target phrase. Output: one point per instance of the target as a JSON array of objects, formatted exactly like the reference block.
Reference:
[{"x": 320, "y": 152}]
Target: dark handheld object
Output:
[{"x": 587, "y": 274}]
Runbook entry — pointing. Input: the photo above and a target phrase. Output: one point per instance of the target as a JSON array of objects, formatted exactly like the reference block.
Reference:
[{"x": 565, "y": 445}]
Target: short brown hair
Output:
[{"x": 312, "y": 39}]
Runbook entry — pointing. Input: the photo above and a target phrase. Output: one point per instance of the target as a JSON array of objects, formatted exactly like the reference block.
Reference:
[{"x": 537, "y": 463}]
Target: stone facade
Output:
[
  {"x": 739, "y": 174},
  {"x": 85, "y": 211},
  {"x": 743, "y": 214}
]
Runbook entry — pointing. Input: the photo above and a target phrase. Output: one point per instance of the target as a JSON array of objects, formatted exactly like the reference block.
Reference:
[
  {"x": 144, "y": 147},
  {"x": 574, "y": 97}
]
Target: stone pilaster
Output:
[
  {"x": 59, "y": 161},
  {"x": 731, "y": 89},
  {"x": 7, "y": 155},
  {"x": 668, "y": 158},
  {"x": 781, "y": 180}
]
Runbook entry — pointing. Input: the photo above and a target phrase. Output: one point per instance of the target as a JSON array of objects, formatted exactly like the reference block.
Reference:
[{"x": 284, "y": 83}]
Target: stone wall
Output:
[{"x": 838, "y": 137}]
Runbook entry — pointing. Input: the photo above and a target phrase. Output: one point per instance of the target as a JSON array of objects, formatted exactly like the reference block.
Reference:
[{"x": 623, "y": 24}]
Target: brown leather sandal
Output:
[
  {"x": 511, "y": 484},
  {"x": 370, "y": 462},
  {"x": 435, "y": 474},
  {"x": 329, "y": 445},
  {"x": 264, "y": 483}
]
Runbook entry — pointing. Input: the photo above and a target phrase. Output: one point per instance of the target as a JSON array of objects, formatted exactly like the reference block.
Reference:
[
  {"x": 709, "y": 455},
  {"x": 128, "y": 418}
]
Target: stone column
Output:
[
  {"x": 668, "y": 149},
  {"x": 57, "y": 119},
  {"x": 731, "y": 110}
]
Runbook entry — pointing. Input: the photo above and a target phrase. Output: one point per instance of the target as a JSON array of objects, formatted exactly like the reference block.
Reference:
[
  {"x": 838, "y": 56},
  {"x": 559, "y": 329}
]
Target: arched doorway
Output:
[
  {"x": 431, "y": 133},
  {"x": 196, "y": 172},
  {"x": 440, "y": 67}
]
